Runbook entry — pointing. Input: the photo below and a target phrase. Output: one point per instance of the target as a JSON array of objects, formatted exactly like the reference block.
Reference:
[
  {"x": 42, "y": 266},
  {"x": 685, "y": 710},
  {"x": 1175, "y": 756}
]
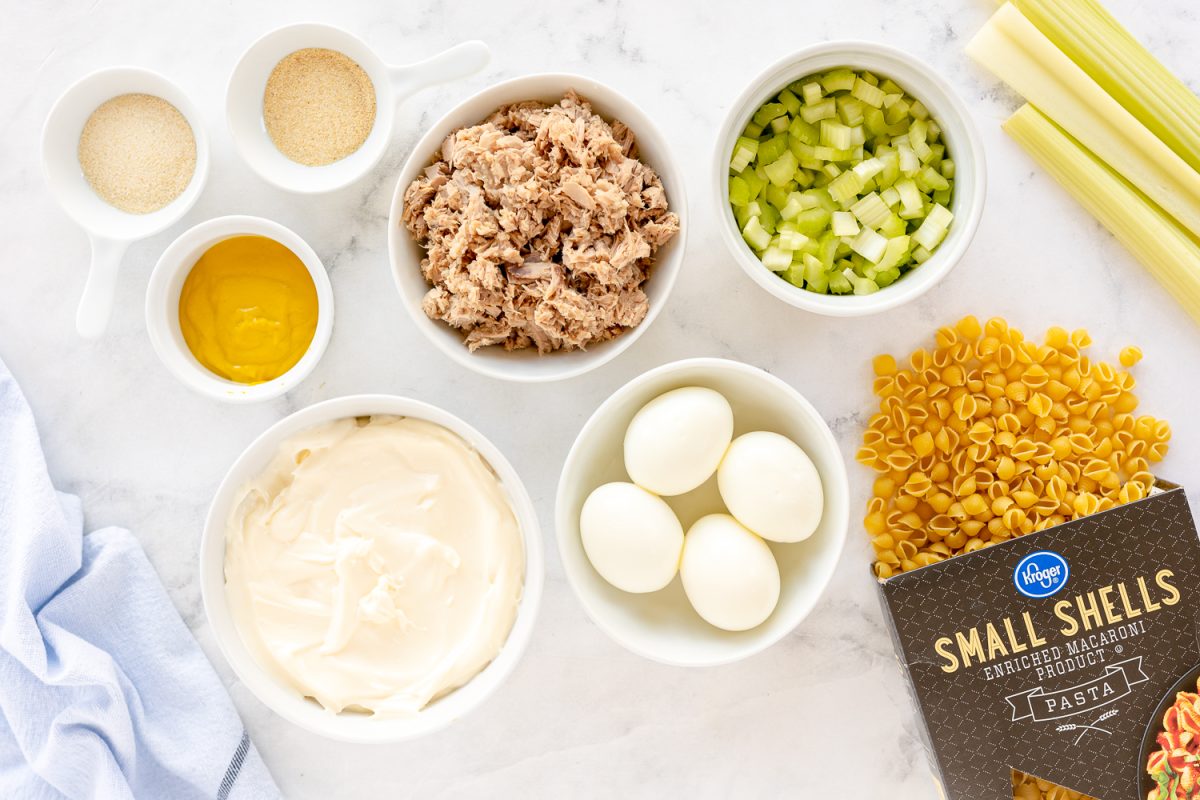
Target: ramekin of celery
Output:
[{"x": 844, "y": 181}]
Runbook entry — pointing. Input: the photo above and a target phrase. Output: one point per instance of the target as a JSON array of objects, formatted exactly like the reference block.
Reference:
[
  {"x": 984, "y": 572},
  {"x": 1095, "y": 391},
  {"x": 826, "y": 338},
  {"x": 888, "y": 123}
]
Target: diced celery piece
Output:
[
  {"x": 835, "y": 135},
  {"x": 755, "y": 235},
  {"x": 943, "y": 196},
  {"x": 804, "y": 131},
  {"x": 804, "y": 178},
  {"x": 778, "y": 195},
  {"x": 934, "y": 228},
  {"x": 894, "y": 253},
  {"x": 868, "y": 169},
  {"x": 861, "y": 285},
  {"x": 891, "y": 169},
  {"x": 790, "y": 102},
  {"x": 812, "y": 93},
  {"x": 933, "y": 179},
  {"x": 753, "y": 130},
  {"x": 824, "y": 109},
  {"x": 909, "y": 163},
  {"x": 911, "y": 205},
  {"x": 813, "y": 268},
  {"x": 755, "y": 208},
  {"x": 918, "y": 132},
  {"x": 924, "y": 151},
  {"x": 794, "y": 275},
  {"x": 858, "y": 137},
  {"x": 768, "y": 112},
  {"x": 772, "y": 149},
  {"x": 869, "y": 78},
  {"x": 775, "y": 259},
  {"x": 920, "y": 255},
  {"x": 890, "y": 196},
  {"x": 811, "y": 163},
  {"x": 781, "y": 170},
  {"x": 822, "y": 198},
  {"x": 876, "y": 124},
  {"x": 739, "y": 192},
  {"x": 796, "y": 203},
  {"x": 869, "y": 244},
  {"x": 801, "y": 150},
  {"x": 779, "y": 124},
  {"x": 811, "y": 221},
  {"x": 850, "y": 110},
  {"x": 846, "y": 186},
  {"x": 888, "y": 85},
  {"x": 844, "y": 223},
  {"x": 918, "y": 110},
  {"x": 887, "y": 277},
  {"x": 769, "y": 218},
  {"x": 936, "y": 153},
  {"x": 891, "y": 98},
  {"x": 894, "y": 226},
  {"x": 839, "y": 284},
  {"x": 753, "y": 181},
  {"x": 935, "y": 131},
  {"x": 897, "y": 112},
  {"x": 871, "y": 210},
  {"x": 832, "y": 170},
  {"x": 838, "y": 80},
  {"x": 792, "y": 240},
  {"x": 744, "y": 152},
  {"x": 863, "y": 90}
]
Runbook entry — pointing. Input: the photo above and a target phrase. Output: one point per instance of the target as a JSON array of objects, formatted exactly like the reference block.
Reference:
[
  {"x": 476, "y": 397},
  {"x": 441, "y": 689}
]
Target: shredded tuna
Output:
[{"x": 540, "y": 228}]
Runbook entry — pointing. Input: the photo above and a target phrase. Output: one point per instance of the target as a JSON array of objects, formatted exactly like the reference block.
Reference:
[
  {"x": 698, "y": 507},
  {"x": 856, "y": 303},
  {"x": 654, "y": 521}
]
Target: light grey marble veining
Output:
[{"x": 825, "y": 712}]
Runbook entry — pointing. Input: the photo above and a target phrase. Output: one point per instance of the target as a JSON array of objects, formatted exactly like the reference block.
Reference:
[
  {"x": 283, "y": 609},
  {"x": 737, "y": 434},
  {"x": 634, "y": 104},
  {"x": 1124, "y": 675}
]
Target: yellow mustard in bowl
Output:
[{"x": 248, "y": 309}]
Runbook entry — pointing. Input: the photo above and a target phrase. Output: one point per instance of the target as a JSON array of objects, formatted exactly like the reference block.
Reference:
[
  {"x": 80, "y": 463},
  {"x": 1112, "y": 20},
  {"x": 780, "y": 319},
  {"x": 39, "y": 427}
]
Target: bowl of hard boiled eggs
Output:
[{"x": 701, "y": 512}]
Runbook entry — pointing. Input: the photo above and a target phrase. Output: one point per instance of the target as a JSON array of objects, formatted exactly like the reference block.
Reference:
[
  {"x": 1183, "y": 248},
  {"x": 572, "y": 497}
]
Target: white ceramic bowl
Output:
[
  {"x": 963, "y": 144},
  {"x": 162, "y": 308},
  {"x": 662, "y": 625},
  {"x": 406, "y": 254},
  {"x": 109, "y": 229},
  {"x": 244, "y": 101},
  {"x": 285, "y": 701}
]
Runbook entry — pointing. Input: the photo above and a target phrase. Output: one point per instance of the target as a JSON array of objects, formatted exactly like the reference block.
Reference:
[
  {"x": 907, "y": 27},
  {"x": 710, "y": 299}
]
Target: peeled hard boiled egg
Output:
[
  {"x": 632, "y": 537},
  {"x": 729, "y": 574},
  {"x": 675, "y": 442},
  {"x": 771, "y": 486}
]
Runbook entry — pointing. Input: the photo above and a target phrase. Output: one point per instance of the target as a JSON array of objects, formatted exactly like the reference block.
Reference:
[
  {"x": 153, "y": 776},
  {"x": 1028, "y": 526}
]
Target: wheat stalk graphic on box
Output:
[{"x": 1072, "y": 726}]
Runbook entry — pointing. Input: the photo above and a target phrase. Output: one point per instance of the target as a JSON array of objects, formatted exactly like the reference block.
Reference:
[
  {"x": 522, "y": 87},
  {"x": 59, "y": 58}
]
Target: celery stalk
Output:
[
  {"x": 1020, "y": 55},
  {"x": 1153, "y": 237},
  {"x": 1102, "y": 48}
]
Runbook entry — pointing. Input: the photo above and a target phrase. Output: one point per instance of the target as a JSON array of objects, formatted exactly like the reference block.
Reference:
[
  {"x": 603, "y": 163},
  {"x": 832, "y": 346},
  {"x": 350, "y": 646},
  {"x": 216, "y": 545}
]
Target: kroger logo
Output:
[{"x": 1041, "y": 574}]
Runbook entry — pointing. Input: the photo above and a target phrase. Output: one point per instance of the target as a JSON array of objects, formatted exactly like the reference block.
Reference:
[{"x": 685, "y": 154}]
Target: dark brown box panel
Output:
[{"x": 1062, "y": 686}]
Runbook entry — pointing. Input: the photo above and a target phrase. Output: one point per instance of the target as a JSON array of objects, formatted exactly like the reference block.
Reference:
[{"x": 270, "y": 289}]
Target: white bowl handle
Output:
[
  {"x": 459, "y": 61},
  {"x": 95, "y": 307}
]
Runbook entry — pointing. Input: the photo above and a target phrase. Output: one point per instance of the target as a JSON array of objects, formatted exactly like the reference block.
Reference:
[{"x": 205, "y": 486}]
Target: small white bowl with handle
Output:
[
  {"x": 110, "y": 229},
  {"x": 393, "y": 84}
]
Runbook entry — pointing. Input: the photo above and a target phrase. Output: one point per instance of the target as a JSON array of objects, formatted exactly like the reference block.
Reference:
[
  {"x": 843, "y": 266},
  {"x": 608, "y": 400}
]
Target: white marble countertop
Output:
[{"x": 580, "y": 716}]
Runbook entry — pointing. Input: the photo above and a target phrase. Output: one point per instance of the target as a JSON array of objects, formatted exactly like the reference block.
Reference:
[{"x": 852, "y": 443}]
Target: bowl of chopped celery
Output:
[{"x": 850, "y": 178}]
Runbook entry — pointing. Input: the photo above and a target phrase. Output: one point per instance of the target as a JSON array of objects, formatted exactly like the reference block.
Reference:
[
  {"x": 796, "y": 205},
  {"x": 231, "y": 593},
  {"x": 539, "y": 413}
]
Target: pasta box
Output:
[{"x": 1060, "y": 654}]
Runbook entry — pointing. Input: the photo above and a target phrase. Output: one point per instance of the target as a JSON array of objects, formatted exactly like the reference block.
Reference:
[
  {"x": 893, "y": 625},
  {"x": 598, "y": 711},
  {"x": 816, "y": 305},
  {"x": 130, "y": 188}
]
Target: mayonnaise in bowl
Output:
[{"x": 374, "y": 565}]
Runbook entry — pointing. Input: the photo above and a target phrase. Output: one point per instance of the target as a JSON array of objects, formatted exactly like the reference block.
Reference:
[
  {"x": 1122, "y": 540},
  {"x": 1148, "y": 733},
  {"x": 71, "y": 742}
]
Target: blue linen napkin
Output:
[{"x": 103, "y": 691}]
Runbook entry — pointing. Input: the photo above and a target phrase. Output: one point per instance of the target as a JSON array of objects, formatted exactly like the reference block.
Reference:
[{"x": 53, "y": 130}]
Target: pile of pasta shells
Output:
[{"x": 991, "y": 435}]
